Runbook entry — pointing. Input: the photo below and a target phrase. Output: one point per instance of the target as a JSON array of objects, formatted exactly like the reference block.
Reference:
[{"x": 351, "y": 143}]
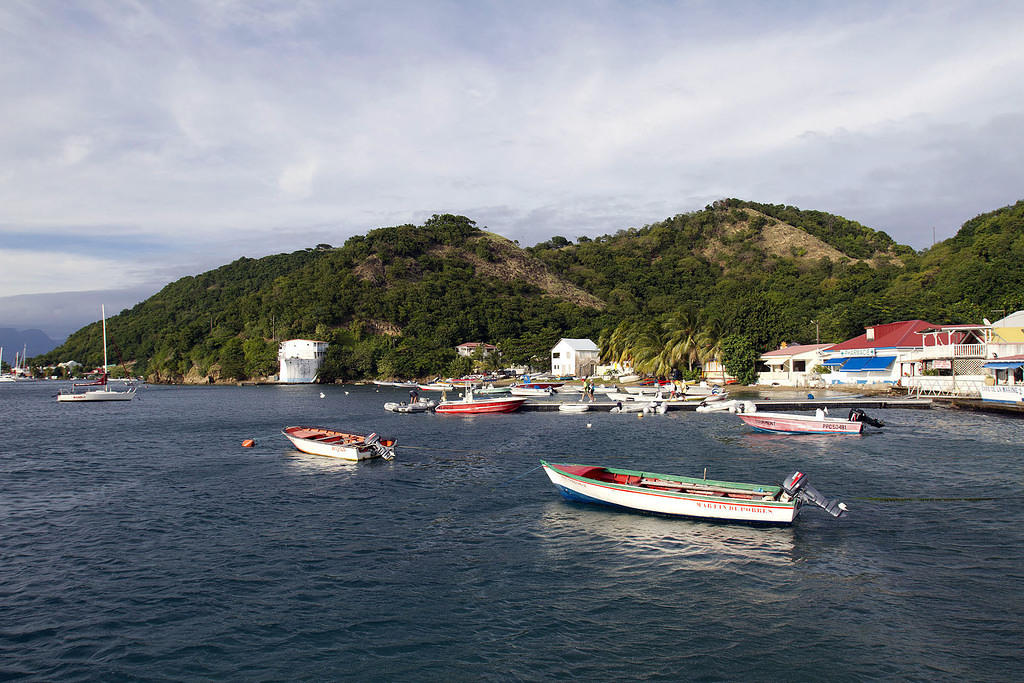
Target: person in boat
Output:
[
  {"x": 820, "y": 413},
  {"x": 413, "y": 396}
]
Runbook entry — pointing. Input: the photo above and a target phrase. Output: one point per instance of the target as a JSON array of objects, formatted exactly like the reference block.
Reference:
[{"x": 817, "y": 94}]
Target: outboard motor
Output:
[
  {"x": 796, "y": 486},
  {"x": 372, "y": 441},
  {"x": 858, "y": 415}
]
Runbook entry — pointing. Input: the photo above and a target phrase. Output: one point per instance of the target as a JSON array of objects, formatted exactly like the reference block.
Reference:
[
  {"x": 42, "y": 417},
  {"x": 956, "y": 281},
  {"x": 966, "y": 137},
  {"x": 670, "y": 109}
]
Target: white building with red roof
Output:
[
  {"x": 882, "y": 355},
  {"x": 792, "y": 365}
]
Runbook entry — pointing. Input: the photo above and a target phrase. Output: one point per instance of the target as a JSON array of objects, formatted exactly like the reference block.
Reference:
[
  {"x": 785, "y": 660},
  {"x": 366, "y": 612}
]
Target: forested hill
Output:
[
  {"x": 393, "y": 302},
  {"x": 396, "y": 300}
]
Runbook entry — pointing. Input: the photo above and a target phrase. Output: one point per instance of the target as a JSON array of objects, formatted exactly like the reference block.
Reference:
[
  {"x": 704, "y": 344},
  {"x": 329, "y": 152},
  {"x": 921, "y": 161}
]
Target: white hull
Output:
[
  {"x": 1003, "y": 393},
  {"x": 343, "y": 446},
  {"x": 421, "y": 406},
  {"x": 574, "y": 407},
  {"x": 330, "y": 450},
  {"x": 100, "y": 395},
  {"x": 519, "y": 391}
]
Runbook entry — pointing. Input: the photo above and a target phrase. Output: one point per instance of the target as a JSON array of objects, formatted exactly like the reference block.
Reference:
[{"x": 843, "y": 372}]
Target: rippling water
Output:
[{"x": 141, "y": 541}]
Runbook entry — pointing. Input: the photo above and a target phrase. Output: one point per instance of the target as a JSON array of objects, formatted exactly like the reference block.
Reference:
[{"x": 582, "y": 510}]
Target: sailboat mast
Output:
[{"x": 103, "y": 315}]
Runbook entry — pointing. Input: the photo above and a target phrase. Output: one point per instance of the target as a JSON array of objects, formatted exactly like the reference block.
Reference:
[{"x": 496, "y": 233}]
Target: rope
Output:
[
  {"x": 519, "y": 476},
  {"x": 924, "y": 500}
]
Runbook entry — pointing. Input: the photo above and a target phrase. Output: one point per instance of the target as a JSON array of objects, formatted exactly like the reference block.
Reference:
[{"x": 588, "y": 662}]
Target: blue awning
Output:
[
  {"x": 879, "y": 363},
  {"x": 829, "y": 362},
  {"x": 1004, "y": 364},
  {"x": 855, "y": 364}
]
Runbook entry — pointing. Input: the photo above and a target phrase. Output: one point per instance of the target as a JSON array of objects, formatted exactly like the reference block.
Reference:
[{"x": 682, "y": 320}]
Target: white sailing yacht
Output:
[
  {"x": 3, "y": 377},
  {"x": 106, "y": 393}
]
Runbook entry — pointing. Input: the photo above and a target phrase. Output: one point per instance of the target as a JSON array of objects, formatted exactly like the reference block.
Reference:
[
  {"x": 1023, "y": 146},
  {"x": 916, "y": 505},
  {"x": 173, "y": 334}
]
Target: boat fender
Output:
[{"x": 248, "y": 443}]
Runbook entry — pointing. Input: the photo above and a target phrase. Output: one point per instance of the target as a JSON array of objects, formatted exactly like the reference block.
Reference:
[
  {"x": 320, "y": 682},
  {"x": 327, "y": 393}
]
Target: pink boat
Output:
[{"x": 786, "y": 423}]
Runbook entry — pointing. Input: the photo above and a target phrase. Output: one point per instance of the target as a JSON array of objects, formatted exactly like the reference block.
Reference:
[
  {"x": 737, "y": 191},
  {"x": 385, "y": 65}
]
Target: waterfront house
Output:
[
  {"x": 882, "y": 355},
  {"x": 300, "y": 360},
  {"x": 792, "y": 365},
  {"x": 467, "y": 349},
  {"x": 575, "y": 357}
]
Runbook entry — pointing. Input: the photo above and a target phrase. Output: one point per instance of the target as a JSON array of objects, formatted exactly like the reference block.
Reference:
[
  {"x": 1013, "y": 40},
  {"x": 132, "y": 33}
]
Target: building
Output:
[
  {"x": 714, "y": 372},
  {"x": 882, "y": 355},
  {"x": 575, "y": 357},
  {"x": 793, "y": 365},
  {"x": 300, "y": 360},
  {"x": 467, "y": 349}
]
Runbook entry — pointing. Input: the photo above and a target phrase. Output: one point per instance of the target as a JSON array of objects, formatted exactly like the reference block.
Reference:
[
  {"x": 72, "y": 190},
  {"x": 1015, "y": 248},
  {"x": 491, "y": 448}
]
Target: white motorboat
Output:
[{"x": 332, "y": 443}]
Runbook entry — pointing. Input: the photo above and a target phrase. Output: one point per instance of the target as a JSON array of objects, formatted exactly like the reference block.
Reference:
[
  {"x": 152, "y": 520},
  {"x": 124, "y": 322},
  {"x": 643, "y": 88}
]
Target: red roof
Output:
[{"x": 891, "y": 335}]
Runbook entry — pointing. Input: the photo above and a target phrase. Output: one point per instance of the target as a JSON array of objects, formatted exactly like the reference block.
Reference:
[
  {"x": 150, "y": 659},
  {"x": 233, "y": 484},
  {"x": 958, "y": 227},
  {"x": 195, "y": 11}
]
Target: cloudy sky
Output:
[{"x": 143, "y": 141}]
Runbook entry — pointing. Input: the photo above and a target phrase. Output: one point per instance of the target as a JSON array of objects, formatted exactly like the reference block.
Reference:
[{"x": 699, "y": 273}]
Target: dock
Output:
[
  {"x": 977, "y": 405},
  {"x": 837, "y": 404}
]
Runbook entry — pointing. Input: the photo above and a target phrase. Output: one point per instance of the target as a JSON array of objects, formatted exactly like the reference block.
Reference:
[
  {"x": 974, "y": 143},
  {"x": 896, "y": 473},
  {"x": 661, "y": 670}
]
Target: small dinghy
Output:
[
  {"x": 573, "y": 407},
  {"x": 668, "y": 494},
  {"x": 730, "y": 406},
  {"x": 332, "y": 443},
  {"x": 423, "y": 405}
]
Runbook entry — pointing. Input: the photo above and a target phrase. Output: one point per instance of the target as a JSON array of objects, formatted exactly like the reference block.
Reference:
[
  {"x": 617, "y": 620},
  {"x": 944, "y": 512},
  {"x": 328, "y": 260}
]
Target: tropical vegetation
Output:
[{"x": 728, "y": 282}]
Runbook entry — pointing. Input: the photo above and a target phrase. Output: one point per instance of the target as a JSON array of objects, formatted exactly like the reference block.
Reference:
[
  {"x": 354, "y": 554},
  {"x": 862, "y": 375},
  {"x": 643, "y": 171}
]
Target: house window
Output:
[
  {"x": 799, "y": 366},
  {"x": 555, "y": 354}
]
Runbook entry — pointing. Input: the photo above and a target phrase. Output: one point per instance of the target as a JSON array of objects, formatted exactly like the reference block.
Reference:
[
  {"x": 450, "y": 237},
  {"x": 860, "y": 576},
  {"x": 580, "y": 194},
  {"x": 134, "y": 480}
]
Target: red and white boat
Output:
[
  {"x": 788, "y": 423},
  {"x": 668, "y": 494},
  {"x": 470, "y": 404},
  {"x": 332, "y": 443}
]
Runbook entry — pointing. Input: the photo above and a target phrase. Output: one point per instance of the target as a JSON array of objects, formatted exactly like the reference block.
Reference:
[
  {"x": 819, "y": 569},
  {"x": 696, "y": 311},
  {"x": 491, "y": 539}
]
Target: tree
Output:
[
  {"x": 232, "y": 359},
  {"x": 740, "y": 358}
]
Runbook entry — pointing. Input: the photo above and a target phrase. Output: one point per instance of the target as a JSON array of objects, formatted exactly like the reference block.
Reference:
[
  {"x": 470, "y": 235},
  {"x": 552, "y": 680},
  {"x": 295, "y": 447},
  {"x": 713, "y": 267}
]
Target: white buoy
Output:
[
  {"x": 322, "y": 394},
  {"x": 346, "y": 393}
]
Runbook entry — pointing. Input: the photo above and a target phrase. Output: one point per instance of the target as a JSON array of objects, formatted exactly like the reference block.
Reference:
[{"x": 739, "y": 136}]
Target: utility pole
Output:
[{"x": 817, "y": 332}]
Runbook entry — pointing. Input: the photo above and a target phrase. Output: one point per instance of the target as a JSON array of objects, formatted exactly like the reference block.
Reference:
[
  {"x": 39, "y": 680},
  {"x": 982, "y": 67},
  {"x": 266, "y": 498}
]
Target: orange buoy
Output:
[{"x": 248, "y": 443}]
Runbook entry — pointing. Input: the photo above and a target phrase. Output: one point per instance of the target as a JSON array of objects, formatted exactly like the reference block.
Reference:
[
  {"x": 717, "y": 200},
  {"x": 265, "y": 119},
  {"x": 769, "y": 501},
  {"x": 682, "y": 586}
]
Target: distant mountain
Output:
[{"x": 34, "y": 342}]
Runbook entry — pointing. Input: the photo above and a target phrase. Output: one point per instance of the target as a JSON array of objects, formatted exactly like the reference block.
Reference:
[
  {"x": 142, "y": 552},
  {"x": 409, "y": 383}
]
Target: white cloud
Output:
[
  {"x": 296, "y": 180},
  {"x": 212, "y": 125},
  {"x": 28, "y": 271}
]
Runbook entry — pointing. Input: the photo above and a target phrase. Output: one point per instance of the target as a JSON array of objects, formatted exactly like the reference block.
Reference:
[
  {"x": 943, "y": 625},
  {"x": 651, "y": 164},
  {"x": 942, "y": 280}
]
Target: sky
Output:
[{"x": 144, "y": 141}]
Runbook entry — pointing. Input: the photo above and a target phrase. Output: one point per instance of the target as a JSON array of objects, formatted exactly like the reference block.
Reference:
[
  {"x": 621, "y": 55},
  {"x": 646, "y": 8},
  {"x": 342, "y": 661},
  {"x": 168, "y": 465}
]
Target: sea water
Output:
[{"x": 140, "y": 540}]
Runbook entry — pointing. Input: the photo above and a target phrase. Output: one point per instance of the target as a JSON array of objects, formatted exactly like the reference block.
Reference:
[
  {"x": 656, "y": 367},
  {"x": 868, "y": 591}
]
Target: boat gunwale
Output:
[{"x": 335, "y": 432}]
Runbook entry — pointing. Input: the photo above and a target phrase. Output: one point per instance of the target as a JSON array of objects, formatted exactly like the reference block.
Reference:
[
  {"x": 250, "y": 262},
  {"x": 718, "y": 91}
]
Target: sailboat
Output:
[
  {"x": 106, "y": 393},
  {"x": 3, "y": 377}
]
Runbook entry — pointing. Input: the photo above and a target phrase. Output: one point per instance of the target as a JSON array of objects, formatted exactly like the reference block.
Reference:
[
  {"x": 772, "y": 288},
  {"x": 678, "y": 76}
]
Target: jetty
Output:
[{"x": 834, "y": 404}]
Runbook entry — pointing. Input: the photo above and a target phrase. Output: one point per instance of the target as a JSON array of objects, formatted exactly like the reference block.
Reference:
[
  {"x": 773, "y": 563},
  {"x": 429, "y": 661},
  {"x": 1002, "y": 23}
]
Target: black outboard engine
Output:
[
  {"x": 373, "y": 441},
  {"x": 796, "y": 486},
  {"x": 858, "y": 415}
]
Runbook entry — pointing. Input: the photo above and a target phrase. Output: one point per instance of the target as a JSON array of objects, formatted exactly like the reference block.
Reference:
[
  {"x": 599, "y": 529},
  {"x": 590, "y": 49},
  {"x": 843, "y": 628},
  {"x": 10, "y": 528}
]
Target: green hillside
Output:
[
  {"x": 393, "y": 302},
  {"x": 735, "y": 278}
]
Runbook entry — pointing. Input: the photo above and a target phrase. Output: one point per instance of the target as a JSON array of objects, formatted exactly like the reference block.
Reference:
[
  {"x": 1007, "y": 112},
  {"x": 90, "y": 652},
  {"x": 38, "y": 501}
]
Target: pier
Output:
[{"x": 833, "y": 404}]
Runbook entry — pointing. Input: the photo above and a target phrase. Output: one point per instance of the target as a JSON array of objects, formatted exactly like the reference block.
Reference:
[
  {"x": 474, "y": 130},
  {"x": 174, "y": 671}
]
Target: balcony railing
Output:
[{"x": 949, "y": 351}]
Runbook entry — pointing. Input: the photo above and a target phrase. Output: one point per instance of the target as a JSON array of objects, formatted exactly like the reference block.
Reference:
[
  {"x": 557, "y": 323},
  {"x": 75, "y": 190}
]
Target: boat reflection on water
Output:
[
  {"x": 808, "y": 444},
  {"x": 574, "y": 528}
]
